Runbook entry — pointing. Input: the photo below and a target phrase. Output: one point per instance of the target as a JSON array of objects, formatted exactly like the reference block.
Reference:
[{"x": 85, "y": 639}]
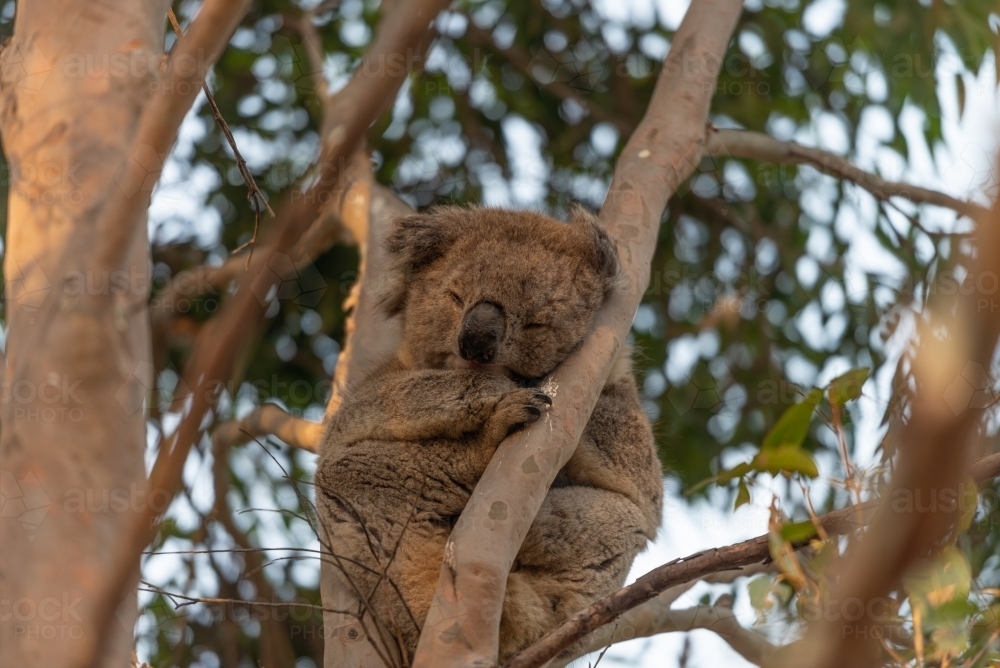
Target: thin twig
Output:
[
  {"x": 758, "y": 146},
  {"x": 191, "y": 600},
  {"x": 254, "y": 195}
]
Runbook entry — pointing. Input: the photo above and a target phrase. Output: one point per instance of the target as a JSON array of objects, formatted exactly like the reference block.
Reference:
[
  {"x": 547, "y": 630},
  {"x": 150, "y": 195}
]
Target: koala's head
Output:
[{"x": 514, "y": 291}]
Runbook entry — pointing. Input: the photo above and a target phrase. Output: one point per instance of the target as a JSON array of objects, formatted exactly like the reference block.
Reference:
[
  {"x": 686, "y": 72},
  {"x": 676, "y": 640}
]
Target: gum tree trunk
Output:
[{"x": 72, "y": 431}]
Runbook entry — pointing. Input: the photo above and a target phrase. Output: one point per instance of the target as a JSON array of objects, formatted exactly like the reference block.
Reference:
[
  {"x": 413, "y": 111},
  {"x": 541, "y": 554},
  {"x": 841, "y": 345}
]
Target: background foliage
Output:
[{"x": 755, "y": 296}]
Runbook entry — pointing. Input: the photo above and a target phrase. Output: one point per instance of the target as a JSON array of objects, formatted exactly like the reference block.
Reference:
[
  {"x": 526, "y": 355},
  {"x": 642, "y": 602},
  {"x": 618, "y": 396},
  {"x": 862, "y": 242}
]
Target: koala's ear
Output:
[
  {"x": 413, "y": 243},
  {"x": 605, "y": 253}
]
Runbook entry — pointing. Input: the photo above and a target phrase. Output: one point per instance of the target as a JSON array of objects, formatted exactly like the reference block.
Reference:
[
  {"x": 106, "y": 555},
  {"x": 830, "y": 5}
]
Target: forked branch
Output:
[
  {"x": 663, "y": 151},
  {"x": 370, "y": 91},
  {"x": 746, "y": 556}
]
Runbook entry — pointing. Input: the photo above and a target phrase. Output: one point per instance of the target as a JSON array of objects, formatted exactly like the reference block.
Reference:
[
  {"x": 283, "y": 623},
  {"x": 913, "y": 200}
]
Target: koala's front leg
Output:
[{"x": 398, "y": 404}]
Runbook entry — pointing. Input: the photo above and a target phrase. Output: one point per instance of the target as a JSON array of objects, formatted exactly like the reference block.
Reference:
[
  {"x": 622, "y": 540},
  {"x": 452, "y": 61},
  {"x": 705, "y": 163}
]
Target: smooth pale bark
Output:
[
  {"x": 74, "y": 78},
  {"x": 661, "y": 153}
]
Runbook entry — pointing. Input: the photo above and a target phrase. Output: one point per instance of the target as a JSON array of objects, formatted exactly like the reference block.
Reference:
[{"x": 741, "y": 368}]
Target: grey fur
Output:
[{"x": 404, "y": 452}]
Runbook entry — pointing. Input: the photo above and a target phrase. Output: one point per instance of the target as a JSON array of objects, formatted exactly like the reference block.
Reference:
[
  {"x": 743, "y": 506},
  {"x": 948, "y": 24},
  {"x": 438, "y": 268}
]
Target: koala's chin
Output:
[{"x": 456, "y": 362}]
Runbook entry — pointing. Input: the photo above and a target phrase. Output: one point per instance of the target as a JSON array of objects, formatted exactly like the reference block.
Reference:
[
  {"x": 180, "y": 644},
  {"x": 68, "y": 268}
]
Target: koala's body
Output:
[{"x": 491, "y": 302}]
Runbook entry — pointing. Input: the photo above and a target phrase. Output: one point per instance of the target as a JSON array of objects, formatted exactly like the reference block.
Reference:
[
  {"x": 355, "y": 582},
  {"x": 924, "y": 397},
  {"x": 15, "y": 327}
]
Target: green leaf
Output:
[
  {"x": 742, "y": 495},
  {"x": 788, "y": 459},
  {"x": 759, "y": 588},
  {"x": 938, "y": 582},
  {"x": 793, "y": 425},
  {"x": 798, "y": 532},
  {"x": 737, "y": 471},
  {"x": 784, "y": 592},
  {"x": 968, "y": 504},
  {"x": 847, "y": 387}
]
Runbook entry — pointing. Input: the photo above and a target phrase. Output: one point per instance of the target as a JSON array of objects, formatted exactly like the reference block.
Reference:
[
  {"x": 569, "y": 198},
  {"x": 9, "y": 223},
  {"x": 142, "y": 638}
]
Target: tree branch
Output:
[
  {"x": 738, "y": 143},
  {"x": 270, "y": 420},
  {"x": 370, "y": 91},
  {"x": 655, "y": 617},
  {"x": 188, "y": 65},
  {"x": 663, "y": 151},
  {"x": 746, "y": 557},
  {"x": 758, "y": 146},
  {"x": 367, "y": 212}
]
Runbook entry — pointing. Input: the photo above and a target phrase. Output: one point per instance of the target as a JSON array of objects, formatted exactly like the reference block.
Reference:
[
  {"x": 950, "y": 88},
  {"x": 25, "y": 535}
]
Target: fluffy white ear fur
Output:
[{"x": 414, "y": 242}]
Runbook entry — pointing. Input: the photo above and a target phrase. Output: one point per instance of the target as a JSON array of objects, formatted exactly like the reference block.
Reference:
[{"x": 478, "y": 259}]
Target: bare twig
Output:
[
  {"x": 188, "y": 66},
  {"x": 254, "y": 195},
  {"x": 191, "y": 600},
  {"x": 662, "y": 152},
  {"x": 758, "y": 146}
]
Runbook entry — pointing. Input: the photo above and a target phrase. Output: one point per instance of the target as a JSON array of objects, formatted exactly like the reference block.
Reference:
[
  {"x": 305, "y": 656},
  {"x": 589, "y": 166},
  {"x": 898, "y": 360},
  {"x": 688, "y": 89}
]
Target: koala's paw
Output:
[{"x": 518, "y": 408}]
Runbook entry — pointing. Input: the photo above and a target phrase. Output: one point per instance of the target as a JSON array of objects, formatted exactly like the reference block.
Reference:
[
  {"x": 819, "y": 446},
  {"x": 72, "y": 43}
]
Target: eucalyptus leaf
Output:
[
  {"x": 847, "y": 387},
  {"x": 793, "y": 425}
]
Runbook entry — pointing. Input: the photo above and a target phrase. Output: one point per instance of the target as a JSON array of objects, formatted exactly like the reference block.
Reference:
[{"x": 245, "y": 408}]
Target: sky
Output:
[{"x": 959, "y": 167}]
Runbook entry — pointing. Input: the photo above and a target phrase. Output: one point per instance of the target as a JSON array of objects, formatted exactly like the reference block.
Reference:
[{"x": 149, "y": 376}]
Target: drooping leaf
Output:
[
  {"x": 793, "y": 425},
  {"x": 797, "y": 532},
  {"x": 960, "y": 91},
  {"x": 968, "y": 503},
  {"x": 737, "y": 471},
  {"x": 847, "y": 387},
  {"x": 788, "y": 459},
  {"x": 759, "y": 588},
  {"x": 742, "y": 495},
  {"x": 939, "y": 581}
]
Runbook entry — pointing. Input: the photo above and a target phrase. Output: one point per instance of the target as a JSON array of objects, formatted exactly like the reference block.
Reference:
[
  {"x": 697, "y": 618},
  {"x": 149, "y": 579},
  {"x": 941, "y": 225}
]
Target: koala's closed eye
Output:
[
  {"x": 536, "y": 325},
  {"x": 456, "y": 298}
]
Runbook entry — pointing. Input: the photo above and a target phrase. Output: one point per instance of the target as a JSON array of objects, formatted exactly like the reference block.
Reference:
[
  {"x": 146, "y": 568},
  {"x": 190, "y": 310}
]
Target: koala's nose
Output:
[{"x": 481, "y": 332}]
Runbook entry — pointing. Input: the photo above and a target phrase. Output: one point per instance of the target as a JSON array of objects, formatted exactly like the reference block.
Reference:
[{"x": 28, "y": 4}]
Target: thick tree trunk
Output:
[{"x": 72, "y": 436}]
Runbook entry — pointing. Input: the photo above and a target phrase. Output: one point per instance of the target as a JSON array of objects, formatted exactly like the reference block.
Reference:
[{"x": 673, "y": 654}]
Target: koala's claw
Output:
[
  {"x": 544, "y": 398},
  {"x": 517, "y": 409}
]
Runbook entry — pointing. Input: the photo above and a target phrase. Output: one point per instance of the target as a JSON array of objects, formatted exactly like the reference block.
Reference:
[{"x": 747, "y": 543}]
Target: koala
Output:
[{"x": 491, "y": 302}]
